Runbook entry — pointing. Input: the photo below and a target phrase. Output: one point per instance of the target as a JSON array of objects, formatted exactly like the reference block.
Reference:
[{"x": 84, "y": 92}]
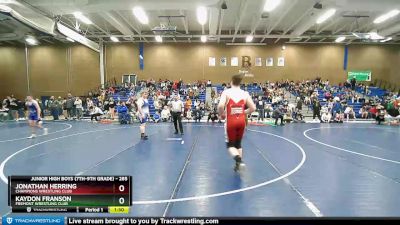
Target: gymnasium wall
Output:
[
  {"x": 190, "y": 61},
  {"x": 12, "y": 71},
  {"x": 55, "y": 70},
  {"x": 52, "y": 70}
]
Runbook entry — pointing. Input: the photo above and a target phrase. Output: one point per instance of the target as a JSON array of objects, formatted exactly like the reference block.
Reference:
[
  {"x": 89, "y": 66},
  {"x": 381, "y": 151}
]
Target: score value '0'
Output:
[{"x": 121, "y": 200}]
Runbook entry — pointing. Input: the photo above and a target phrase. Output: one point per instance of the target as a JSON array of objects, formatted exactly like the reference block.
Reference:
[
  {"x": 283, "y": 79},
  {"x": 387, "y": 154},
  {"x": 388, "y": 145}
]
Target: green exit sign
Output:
[{"x": 359, "y": 75}]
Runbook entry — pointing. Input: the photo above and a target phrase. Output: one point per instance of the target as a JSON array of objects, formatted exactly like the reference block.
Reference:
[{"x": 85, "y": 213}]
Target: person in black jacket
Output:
[
  {"x": 317, "y": 110},
  {"x": 353, "y": 84},
  {"x": 197, "y": 114},
  {"x": 260, "y": 108},
  {"x": 278, "y": 114},
  {"x": 69, "y": 106}
]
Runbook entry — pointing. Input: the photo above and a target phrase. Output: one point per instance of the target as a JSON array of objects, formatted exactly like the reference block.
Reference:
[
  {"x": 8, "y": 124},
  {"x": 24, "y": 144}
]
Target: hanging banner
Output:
[
  {"x": 346, "y": 57},
  {"x": 141, "y": 57}
]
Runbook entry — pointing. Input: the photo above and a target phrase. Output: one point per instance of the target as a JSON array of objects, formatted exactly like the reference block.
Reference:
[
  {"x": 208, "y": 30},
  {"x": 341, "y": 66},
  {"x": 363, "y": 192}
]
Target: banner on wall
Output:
[
  {"x": 359, "y": 75},
  {"x": 234, "y": 61},
  {"x": 258, "y": 61},
  {"x": 211, "y": 61},
  {"x": 281, "y": 61},
  {"x": 222, "y": 61},
  {"x": 269, "y": 61}
]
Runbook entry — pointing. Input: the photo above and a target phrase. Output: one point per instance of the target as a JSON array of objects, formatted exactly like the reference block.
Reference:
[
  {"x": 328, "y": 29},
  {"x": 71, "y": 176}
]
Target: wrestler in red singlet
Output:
[{"x": 233, "y": 102}]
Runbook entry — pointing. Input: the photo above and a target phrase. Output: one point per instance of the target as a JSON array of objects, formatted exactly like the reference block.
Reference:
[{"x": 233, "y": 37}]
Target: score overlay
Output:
[{"x": 89, "y": 194}]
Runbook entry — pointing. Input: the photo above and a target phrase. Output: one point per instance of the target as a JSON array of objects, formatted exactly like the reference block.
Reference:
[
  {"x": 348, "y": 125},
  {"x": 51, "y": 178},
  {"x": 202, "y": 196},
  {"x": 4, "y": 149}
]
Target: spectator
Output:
[
  {"x": 278, "y": 114},
  {"x": 260, "y": 108},
  {"x": 326, "y": 116},
  {"x": 78, "y": 108},
  {"x": 4, "y": 112},
  {"x": 69, "y": 106},
  {"x": 189, "y": 114},
  {"x": 123, "y": 114},
  {"x": 317, "y": 110},
  {"x": 213, "y": 116},
  {"x": 13, "y": 107},
  {"x": 349, "y": 113},
  {"x": 380, "y": 115},
  {"x": 54, "y": 105},
  {"x": 165, "y": 114},
  {"x": 156, "y": 117},
  {"x": 188, "y": 104},
  {"x": 337, "y": 107},
  {"x": 41, "y": 108},
  {"x": 95, "y": 112},
  {"x": 157, "y": 105},
  {"x": 268, "y": 110},
  {"x": 197, "y": 114},
  {"x": 353, "y": 84},
  {"x": 111, "y": 108},
  {"x": 364, "y": 112}
]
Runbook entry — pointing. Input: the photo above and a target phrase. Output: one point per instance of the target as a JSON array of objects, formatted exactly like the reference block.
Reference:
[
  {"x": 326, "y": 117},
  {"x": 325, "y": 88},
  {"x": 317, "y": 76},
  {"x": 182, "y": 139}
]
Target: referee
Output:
[{"x": 176, "y": 110}]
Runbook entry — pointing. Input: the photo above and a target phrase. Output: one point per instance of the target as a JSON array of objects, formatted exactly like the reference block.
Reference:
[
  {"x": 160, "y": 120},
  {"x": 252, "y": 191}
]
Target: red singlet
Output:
[{"x": 235, "y": 119}]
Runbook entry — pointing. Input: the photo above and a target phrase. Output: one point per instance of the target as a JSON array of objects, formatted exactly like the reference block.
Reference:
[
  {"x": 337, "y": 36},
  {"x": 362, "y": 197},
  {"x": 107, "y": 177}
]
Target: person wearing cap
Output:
[{"x": 177, "y": 107}]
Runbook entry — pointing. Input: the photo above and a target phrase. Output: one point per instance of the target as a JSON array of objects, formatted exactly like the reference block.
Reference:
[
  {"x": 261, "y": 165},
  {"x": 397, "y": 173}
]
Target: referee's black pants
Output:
[{"x": 176, "y": 117}]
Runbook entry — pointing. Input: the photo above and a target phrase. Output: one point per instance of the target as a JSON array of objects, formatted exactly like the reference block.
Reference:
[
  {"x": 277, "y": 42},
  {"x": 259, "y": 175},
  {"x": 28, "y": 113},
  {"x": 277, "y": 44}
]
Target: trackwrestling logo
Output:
[{"x": 26, "y": 220}]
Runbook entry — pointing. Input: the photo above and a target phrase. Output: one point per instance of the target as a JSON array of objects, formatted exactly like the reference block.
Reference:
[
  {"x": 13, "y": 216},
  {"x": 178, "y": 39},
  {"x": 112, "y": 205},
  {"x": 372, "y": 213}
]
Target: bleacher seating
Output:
[
  {"x": 373, "y": 91},
  {"x": 356, "y": 106}
]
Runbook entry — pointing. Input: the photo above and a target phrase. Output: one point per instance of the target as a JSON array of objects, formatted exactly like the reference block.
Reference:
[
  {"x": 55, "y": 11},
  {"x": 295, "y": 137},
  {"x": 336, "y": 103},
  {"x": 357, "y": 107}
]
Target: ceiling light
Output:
[
  {"x": 387, "y": 39},
  {"x": 326, "y": 16},
  {"x": 202, "y": 15},
  {"x": 386, "y": 16},
  {"x": 31, "y": 40},
  {"x": 82, "y": 18},
  {"x": 158, "y": 38},
  {"x": 249, "y": 38},
  {"x": 270, "y": 5},
  {"x": 70, "y": 39},
  {"x": 375, "y": 36},
  {"x": 203, "y": 38},
  {"x": 340, "y": 39},
  {"x": 114, "y": 39},
  {"x": 140, "y": 14}
]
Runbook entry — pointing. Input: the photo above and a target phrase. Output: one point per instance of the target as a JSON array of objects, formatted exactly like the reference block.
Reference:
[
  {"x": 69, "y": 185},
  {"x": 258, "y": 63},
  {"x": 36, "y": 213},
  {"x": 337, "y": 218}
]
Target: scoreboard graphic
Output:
[{"x": 89, "y": 194}]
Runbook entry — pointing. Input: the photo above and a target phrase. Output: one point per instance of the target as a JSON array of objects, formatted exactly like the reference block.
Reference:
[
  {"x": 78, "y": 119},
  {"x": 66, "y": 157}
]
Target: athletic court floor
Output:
[{"x": 297, "y": 170}]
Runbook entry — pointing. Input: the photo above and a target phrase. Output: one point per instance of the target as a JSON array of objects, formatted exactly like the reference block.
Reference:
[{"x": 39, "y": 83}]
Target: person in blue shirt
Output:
[
  {"x": 123, "y": 114},
  {"x": 143, "y": 113},
  {"x": 156, "y": 117},
  {"x": 337, "y": 108},
  {"x": 34, "y": 113}
]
